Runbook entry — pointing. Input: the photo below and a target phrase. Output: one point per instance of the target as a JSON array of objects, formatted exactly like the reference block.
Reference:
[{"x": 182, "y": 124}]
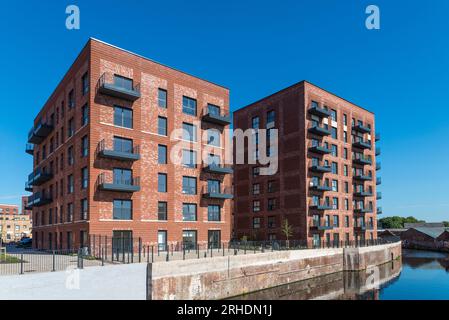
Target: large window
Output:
[
  {"x": 188, "y": 132},
  {"x": 189, "y": 239},
  {"x": 161, "y": 154},
  {"x": 271, "y": 115},
  {"x": 162, "y": 126},
  {"x": 123, "y": 145},
  {"x": 213, "y": 186},
  {"x": 213, "y": 213},
  {"x": 162, "y": 182},
  {"x": 85, "y": 83},
  {"x": 122, "y": 210},
  {"x": 84, "y": 209},
  {"x": 213, "y": 109},
  {"x": 162, "y": 240},
  {"x": 70, "y": 184},
  {"x": 213, "y": 137},
  {"x": 189, "y": 106},
  {"x": 84, "y": 115},
  {"x": 214, "y": 237},
  {"x": 162, "y": 98},
  {"x": 123, "y": 117},
  {"x": 84, "y": 146},
  {"x": 189, "y": 158},
  {"x": 123, "y": 82},
  {"x": 84, "y": 178},
  {"x": 189, "y": 185},
  {"x": 123, "y": 176},
  {"x": 162, "y": 210},
  {"x": 189, "y": 212}
]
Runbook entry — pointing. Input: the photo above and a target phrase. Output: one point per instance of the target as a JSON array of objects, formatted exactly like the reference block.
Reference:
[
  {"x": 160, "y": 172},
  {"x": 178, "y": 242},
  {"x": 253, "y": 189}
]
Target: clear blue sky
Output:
[{"x": 400, "y": 72}]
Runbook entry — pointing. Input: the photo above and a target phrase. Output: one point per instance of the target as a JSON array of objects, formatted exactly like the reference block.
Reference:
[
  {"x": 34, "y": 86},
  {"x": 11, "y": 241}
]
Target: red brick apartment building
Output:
[
  {"x": 325, "y": 186},
  {"x": 13, "y": 224},
  {"x": 101, "y": 147}
]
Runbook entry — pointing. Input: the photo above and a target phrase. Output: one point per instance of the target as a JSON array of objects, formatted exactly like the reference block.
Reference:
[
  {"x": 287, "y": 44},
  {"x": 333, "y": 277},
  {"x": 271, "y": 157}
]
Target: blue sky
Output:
[{"x": 400, "y": 72}]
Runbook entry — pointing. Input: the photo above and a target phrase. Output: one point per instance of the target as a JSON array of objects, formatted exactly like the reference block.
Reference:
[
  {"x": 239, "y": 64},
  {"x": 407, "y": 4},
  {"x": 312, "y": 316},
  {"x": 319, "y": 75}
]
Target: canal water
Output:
[{"x": 418, "y": 275}]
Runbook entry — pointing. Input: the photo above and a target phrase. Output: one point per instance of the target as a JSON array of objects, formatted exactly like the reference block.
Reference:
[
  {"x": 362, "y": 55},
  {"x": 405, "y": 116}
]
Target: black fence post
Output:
[
  {"x": 222, "y": 247},
  {"x": 140, "y": 249},
  {"x": 168, "y": 254},
  {"x": 21, "y": 263},
  {"x": 152, "y": 254},
  {"x": 53, "y": 262},
  {"x": 102, "y": 257}
]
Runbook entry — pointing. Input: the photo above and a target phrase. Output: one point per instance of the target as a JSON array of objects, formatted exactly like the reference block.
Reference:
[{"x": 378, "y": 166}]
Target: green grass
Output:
[{"x": 8, "y": 259}]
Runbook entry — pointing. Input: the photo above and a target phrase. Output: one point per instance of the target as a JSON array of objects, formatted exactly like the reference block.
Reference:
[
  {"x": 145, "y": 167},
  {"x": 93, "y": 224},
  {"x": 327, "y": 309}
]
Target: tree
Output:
[
  {"x": 397, "y": 222},
  {"x": 287, "y": 230},
  {"x": 446, "y": 224}
]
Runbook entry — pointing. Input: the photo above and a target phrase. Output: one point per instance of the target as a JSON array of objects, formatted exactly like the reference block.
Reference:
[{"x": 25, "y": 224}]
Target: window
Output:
[
  {"x": 84, "y": 147},
  {"x": 256, "y": 205},
  {"x": 345, "y": 170},
  {"x": 161, "y": 154},
  {"x": 123, "y": 82},
  {"x": 123, "y": 117},
  {"x": 335, "y": 185},
  {"x": 334, "y": 115},
  {"x": 334, "y": 150},
  {"x": 334, "y": 168},
  {"x": 84, "y": 115},
  {"x": 256, "y": 188},
  {"x": 70, "y": 184},
  {"x": 335, "y": 203},
  {"x": 256, "y": 171},
  {"x": 85, "y": 83},
  {"x": 213, "y": 186},
  {"x": 346, "y": 221},
  {"x": 71, "y": 128},
  {"x": 71, "y": 100},
  {"x": 189, "y": 158},
  {"x": 84, "y": 209},
  {"x": 189, "y": 239},
  {"x": 162, "y": 182},
  {"x": 123, "y": 176},
  {"x": 70, "y": 212},
  {"x": 189, "y": 106},
  {"x": 345, "y": 153},
  {"x": 271, "y": 222},
  {"x": 84, "y": 178},
  {"x": 188, "y": 132},
  {"x": 123, "y": 145},
  {"x": 345, "y": 119},
  {"x": 213, "y": 213},
  {"x": 271, "y": 204},
  {"x": 162, "y": 98},
  {"x": 162, "y": 240},
  {"x": 189, "y": 185},
  {"x": 213, "y": 160},
  {"x": 213, "y": 137},
  {"x": 271, "y": 186},
  {"x": 214, "y": 239},
  {"x": 346, "y": 204},
  {"x": 336, "y": 221},
  {"x": 345, "y": 136},
  {"x": 122, "y": 210},
  {"x": 346, "y": 187},
  {"x": 189, "y": 212},
  {"x": 213, "y": 109},
  {"x": 334, "y": 133},
  {"x": 162, "y": 210},
  {"x": 271, "y": 115},
  {"x": 162, "y": 126},
  {"x": 256, "y": 223},
  {"x": 255, "y": 122}
]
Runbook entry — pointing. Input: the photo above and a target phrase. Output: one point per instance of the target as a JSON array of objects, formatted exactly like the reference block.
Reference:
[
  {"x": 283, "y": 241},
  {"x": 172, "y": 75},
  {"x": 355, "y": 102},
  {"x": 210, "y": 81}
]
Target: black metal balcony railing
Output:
[
  {"x": 378, "y": 166},
  {"x": 319, "y": 149},
  {"x": 29, "y": 148},
  {"x": 319, "y": 130},
  {"x": 124, "y": 154},
  {"x": 362, "y": 177},
  {"x": 28, "y": 187},
  {"x": 361, "y": 128},
  {"x": 39, "y": 176},
  {"x": 359, "y": 143},
  {"x": 378, "y": 151},
  {"x": 221, "y": 118},
  {"x": 363, "y": 210},
  {"x": 108, "y": 84},
  {"x": 317, "y": 225},
  {"x": 218, "y": 169},
  {"x": 379, "y": 210},
  {"x": 320, "y": 169},
  {"x": 360, "y": 193},
  {"x": 318, "y": 187},
  {"x": 377, "y": 137},
  {"x": 38, "y": 199},
  {"x": 362, "y": 160},
  {"x": 320, "y": 112},
  {"x": 39, "y": 132},
  {"x": 378, "y": 181},
  {"x": 119, "y": 184},
  {"x": 320, "y": 206},
  {"x": 217, "y": 193}
]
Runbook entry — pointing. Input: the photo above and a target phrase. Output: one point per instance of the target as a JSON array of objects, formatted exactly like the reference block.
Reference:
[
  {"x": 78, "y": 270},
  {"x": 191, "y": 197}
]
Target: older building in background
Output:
[
  {"x": 13, "y": 225},
  {"x": 325, "y": 186},
  {"x": 101, "y": 150}
]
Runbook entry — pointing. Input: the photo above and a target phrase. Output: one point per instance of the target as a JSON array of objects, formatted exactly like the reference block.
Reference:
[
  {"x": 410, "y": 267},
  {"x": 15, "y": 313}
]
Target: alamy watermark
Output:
[
  {"x": 73, "y": 20},
  {"x": 372, "y": 22}
]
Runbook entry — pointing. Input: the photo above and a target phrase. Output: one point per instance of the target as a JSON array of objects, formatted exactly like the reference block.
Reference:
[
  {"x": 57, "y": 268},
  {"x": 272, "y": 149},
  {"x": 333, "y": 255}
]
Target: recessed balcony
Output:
[
  {"x": 320, "y": 207},
  {"x": 119, "y": 87},
  {"x": 363, "y": 194},
  {"x": 362, "y": 177},
  {"x": 321, "y": 227},
  {"x": 321, "y": 188},
  {"x": 320, "y": 112},
  {"x": 361, "y": 128},
  {"x": 218, "y": 169},
  {"x": 362, "y": 160},
  {"x": 38, "y": 133},
  {"x": 363, "y": 228},
  {"x": 39, "y": 176},
  {"x": 362, "y": 210},
  {"x": 38, "y": 199},
  {"x": 361, "y": 144},
  {"x": 122, "y": 153},
  {"x": 29, "y": 148},
  {"x": 320, "y": 149},
  {"x": 320, "y": 169},
  {"x": 118, "y": 184},
  {"x": 216, "y": 117},
  {"x": 319, "y": 130},
  {"x": 217, "y": 193}
]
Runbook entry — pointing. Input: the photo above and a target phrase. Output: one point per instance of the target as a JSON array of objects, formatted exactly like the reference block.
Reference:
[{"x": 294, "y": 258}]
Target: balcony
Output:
[
  {"x": 378, "y": 195},
  {"x": 319, "y": 227},
  {"x": 320, "y": 112},
  {"x": 362, "y": 160},
  {"x": 216, "y": 117},
  {"x": 38, "y": 133},
  {"x": 39, "y": 177},
  {"x": 29, "y": 148},
  {"x": 379, "y": 210},
  {"x": 378, "y": 151},
  {"x": 38, "y": 200},
  {"x": 318, "y": 130},
  {"x": 363, "y": 228},
  {"x": 320, "y": 169},
  {"x": 378, "y": 181},
  {"x": 361, "y": 144},
  {"x": 363, "y": 210},
  {"x": 377, "y": 137},
  {"x": 217, "y": 193},
  {"x": 320, "y": 207},
  {"x": 115, "y": 86},
  {"x": 123, "y": 154},
  {"x": 28, "y": 187},
  {"x": 378, "y": 166},
  {"x": 118, "y": 184},
  {"x": 318, "y": 187},
  {"x": 361, "y": 128},
  {"x": 363, "y": 194},
  {"x": 362, "y": 177},
  {"x": 218, "y": 169},
  {"x": 320, "y": 149}
]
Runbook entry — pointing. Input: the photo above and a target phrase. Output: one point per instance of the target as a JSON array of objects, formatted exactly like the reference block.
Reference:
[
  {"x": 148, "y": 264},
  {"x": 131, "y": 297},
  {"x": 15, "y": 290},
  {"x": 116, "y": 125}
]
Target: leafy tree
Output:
[
  {"x": 446, "y": 224},
  {"x": 397, "y": 222}
]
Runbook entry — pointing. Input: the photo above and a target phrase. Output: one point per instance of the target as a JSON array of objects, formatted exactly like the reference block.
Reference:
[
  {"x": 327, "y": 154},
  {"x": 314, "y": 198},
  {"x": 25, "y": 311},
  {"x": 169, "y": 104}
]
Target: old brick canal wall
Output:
[{"x": 223, "y": 277}]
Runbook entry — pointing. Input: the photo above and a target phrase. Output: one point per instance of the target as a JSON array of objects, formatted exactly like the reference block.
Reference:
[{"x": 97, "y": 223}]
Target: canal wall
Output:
[{"x": 223, "y": 277}]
